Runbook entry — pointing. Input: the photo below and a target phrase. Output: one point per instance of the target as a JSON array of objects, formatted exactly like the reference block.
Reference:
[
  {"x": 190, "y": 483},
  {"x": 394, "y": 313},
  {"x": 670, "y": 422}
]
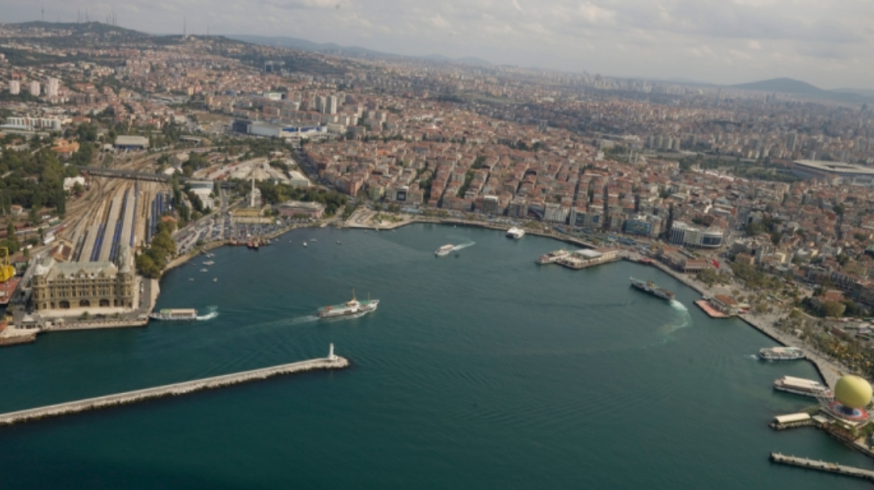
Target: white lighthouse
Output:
[{"x": 331, "y": 356}]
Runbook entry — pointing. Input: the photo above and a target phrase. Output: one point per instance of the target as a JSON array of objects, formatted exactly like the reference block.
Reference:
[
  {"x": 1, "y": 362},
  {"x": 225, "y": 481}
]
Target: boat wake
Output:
[
  {"x": 463, "y": 246},
  {"x": 212, "y": 312},
  {"x": 304, "y": 319},
  {"x": 684, "y": 320}
]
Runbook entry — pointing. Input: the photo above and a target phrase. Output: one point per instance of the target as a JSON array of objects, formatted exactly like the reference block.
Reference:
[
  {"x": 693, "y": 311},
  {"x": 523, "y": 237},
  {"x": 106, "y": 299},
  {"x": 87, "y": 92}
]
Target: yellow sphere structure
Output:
[{"x": 853, "y": 392}]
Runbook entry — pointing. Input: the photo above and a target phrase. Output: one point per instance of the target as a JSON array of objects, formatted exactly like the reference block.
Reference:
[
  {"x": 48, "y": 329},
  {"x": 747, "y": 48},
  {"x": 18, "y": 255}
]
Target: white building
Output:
[
  {"x": 14, "y": 87},
  {"x": 52, "y": 87},
  {"x": 33, "y": 123},
  {"x": 34, "y": 89},
  {"x": 332, "y": 105}
]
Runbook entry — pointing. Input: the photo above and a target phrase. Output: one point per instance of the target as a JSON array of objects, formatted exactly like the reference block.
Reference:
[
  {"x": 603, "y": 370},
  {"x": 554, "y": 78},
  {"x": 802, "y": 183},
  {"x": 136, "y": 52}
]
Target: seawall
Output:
[{"x": 176, "y": 389}]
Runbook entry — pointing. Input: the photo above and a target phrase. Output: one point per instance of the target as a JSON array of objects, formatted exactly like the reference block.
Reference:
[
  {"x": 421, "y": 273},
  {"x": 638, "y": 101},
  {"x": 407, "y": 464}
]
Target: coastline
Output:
[{"x": 829, "y": 371}]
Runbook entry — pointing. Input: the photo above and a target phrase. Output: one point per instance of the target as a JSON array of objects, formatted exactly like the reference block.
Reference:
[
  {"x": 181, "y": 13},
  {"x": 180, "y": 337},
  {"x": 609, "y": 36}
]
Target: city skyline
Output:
[{"x": 721, "y": 43}]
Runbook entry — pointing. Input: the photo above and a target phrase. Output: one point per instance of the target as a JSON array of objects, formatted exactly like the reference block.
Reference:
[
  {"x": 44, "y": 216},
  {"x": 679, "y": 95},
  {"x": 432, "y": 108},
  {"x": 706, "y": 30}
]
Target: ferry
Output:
[
  {"x": 801, "y": 386},
  {"x": 553, "y": 256},
  {"x": 780, "y": 354},
  {"x": 515, "y": 233},
  {"x": 444, "y": 250},
  {"x": 187, "y": 314},
  {"x": 651, "y": 288},
  {"x": 351, "y": 307}
]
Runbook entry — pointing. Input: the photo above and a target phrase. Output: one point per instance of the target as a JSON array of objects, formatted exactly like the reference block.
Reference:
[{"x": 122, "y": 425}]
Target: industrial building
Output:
[{"x": 125, "y": 142}]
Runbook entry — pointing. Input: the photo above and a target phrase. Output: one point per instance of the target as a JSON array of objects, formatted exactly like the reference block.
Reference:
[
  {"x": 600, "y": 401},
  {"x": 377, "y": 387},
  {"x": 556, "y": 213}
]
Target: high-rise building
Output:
[
  {"x": 52, "y": 87},
  {"x": 332, "y": 105},
  {"x": 34, "y": 89},
  {"x": 323, "y": 104},
  {"x": 14, "y": 87}
]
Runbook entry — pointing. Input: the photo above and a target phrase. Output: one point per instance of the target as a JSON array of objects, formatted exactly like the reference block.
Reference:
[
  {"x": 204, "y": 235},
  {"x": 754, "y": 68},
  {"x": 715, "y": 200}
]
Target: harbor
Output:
[
  {"x": 409, "y": 352},
  {"x": 330, "y": 362}
]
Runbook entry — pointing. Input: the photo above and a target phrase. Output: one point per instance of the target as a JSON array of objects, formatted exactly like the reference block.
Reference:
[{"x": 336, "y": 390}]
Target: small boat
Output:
[
  {"x": 338, "y": 242},
  {"x": 314, "y": 240},
  {"x": 214, "y": 279},
  {"x": 204, "y": 270},
  {"x": 304, "y": 244},
  {"x": 444, "y": 250},
  {"x": 191, "y": 279}
]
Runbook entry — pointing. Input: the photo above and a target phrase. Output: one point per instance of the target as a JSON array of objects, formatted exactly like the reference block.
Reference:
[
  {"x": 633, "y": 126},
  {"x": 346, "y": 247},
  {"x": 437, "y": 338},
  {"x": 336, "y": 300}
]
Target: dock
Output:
[
  {"x": 710, "y": 310},
  {"x": 823, "y": 466},
  {"x": 176, "y": 389}
]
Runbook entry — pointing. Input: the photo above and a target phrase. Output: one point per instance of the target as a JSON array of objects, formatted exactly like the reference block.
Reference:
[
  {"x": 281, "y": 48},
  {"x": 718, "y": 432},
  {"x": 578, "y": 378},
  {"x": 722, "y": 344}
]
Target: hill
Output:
[
  {"x": 797, "y": 87},
  {"x": 305, "y": 45}
]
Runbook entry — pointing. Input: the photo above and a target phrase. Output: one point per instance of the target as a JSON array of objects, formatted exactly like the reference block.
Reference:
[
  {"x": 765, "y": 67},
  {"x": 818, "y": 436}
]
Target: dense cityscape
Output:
[{"x": 125, "y": 155}]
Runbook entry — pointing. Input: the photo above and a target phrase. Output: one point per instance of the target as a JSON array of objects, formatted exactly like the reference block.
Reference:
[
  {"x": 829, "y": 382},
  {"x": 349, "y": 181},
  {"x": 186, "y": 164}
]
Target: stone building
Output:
[{"x": 68, "y": 285}]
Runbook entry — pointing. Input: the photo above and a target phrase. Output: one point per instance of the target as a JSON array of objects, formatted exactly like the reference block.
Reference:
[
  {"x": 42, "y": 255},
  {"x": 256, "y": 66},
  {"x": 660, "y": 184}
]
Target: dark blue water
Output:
[{"x": 479, "y": 370}]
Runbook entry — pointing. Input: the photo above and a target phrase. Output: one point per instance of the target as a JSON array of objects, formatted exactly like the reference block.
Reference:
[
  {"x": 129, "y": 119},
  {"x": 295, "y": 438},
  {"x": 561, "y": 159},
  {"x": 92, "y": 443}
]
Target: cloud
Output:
[{"x": 711, "y": 40}]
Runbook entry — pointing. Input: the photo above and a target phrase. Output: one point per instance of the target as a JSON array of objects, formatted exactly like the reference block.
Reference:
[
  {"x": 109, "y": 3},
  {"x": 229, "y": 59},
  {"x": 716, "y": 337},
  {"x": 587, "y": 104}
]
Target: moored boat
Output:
[
  {"x": 801, "y": 386},
  {"x": 515, "y": 233},
  {"x": 553, "y": 256},
  {"x": 780, "y": 354}
]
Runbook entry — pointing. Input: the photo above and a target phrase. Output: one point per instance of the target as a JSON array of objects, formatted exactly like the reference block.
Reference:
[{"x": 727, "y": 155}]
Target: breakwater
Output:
[
  {"x": 822, "y": 466},
  {"x": 176, "y": 389}
]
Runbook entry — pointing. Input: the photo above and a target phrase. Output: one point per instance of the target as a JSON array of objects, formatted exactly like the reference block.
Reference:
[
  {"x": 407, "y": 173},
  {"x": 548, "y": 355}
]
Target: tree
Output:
[
  {"x": 833, "y": 308},
  {"x": 839, "y": 209}
]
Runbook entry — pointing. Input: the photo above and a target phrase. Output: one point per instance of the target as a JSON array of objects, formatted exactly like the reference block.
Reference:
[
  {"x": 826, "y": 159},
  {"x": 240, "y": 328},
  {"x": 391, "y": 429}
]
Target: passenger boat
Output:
[
  {"x": 351, "y": 307},
  {"x": 651, "y": 288},
  {"x": 801, "y": 386},
  {"x": 175, "y": 315},
  {"x": 780, "y": 354},
  {"x": 444, "y": 250}
]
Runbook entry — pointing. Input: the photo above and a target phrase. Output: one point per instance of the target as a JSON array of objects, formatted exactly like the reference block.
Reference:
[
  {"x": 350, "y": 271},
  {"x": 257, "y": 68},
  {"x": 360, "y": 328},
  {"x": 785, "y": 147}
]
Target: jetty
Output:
[
  {"x": 823, "y": 466},
  {"x": 176, "y": 389}
]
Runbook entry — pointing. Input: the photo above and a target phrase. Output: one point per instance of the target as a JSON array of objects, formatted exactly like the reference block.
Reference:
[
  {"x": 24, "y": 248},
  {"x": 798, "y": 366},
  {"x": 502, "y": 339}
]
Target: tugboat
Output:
[
  {"x": 651, "y": 288},
  {"x": 351, "y": 307}
]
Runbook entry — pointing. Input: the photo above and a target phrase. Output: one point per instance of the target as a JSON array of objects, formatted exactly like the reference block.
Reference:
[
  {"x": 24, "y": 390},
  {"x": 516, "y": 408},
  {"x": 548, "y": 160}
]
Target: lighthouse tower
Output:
[{"x": 331, "y": 356}]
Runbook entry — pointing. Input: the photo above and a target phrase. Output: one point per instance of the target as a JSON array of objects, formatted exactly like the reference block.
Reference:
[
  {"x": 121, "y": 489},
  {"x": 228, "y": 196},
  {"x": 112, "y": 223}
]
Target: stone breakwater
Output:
[{"x": 176, "y": 389}]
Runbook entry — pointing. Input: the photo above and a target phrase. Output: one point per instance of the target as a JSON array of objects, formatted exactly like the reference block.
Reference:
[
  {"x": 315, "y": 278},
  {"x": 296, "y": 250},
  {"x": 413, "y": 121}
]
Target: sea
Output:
[{"x": 480, "y": 369}]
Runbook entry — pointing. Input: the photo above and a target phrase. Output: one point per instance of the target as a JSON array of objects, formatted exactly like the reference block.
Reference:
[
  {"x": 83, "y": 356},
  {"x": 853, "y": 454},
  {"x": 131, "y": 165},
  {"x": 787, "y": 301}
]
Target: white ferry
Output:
[
  {"x": 444, "y": 250},
  {"x": 801, "y": 386},
  {"x": 515, "y": 233},
  {"x": 553, "y": 256},
  {"x": 351, "y": 307},
  {"x": 780, "y": 354},
  {"x": 177, "y": 315}
]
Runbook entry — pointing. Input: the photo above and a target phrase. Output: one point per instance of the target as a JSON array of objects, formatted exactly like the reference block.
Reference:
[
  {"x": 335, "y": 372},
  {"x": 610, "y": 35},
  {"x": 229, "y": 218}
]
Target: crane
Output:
[{"x": 7, "y": 272}]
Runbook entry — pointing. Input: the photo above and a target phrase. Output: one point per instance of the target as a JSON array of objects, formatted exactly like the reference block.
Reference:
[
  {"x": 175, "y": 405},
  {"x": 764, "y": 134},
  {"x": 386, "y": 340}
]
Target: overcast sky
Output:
[{"x": 827, "y": 43}]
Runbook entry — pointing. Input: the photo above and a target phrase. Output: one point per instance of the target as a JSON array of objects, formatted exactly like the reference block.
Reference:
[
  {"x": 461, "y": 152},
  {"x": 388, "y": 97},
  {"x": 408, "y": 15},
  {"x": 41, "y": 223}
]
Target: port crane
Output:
[{"x": 7, "y": 272}]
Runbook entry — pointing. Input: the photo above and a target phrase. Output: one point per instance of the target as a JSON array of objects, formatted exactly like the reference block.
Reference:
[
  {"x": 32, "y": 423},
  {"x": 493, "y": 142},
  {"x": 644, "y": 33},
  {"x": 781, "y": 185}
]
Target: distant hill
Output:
[
  {"x": 797, "y": 87},
  {"x": 304, "y": 45}
]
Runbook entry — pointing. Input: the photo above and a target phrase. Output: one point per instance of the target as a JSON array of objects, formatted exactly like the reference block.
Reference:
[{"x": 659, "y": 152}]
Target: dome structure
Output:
[{"x": 853, "y": 392}]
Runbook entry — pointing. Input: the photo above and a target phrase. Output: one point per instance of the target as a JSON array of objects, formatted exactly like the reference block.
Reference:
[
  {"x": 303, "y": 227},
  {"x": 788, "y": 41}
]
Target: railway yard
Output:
[{"x": 113, "y": 212}]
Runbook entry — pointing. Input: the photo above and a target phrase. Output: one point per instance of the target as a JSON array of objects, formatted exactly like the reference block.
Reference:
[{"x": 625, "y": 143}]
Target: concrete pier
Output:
[
  {"x": 330, "y": 362},
  {"x": 823, "y": 466}
]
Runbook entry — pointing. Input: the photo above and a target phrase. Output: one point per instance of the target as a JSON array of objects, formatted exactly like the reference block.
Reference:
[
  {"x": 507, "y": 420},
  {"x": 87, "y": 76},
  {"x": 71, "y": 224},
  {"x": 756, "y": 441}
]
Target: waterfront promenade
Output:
[
  {"x": 176, "y": 389},
  {"x": 828, "y": 369}
]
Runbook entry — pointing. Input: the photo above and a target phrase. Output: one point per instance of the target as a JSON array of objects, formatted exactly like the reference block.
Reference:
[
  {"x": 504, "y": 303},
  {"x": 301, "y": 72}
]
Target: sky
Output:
[{"x": 826, "y": 43}]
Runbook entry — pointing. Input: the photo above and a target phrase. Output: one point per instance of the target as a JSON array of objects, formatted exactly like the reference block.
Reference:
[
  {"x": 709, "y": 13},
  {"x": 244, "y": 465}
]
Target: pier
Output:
[
  {"x": 822, "y": 466},
  {"x": 176, "y": 389}
]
